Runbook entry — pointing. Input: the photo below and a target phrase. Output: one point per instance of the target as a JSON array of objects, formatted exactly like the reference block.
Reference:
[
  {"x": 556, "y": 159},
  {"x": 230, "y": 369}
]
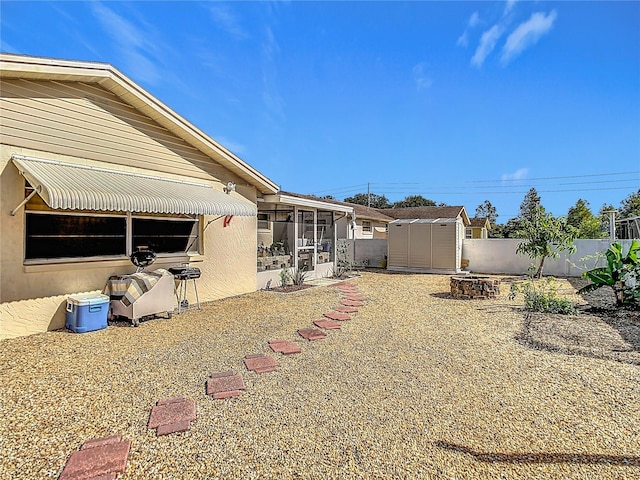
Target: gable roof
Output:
[
  {"x": 480, "y": 222},
  {"x": 112, "y": 80},
  {"x": 427, "y": 213}
]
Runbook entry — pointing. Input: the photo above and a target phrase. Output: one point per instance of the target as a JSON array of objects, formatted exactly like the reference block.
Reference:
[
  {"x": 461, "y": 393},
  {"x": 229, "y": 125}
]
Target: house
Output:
[
  {"x": 478, "y": 228},
  {"x": 91, "y": 167},
  {"x": 426, "y": 239},
  {"x": 297, "y": 231},
  {"x": 370, "y": 223}
]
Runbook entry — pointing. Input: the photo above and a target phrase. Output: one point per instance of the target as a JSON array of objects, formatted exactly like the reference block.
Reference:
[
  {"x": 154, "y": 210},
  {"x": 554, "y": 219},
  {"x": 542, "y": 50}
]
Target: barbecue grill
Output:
[
  {"x": 142, "y": 257},
  {"x": 183, "y": 274},
  {"x": 141, "y": 294}
]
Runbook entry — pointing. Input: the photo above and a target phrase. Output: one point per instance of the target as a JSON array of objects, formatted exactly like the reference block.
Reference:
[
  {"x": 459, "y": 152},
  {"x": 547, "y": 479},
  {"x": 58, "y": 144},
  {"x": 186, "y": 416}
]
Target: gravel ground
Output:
[{"x": 417, "y": 385}]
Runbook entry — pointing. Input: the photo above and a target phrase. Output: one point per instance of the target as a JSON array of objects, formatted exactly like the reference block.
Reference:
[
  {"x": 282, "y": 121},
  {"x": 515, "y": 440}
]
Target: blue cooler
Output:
[{"x": 87, "y": 312}]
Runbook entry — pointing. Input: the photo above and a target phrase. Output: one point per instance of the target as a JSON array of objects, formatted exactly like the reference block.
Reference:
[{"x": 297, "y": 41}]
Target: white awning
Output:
[{"x": 78, "y": 187}]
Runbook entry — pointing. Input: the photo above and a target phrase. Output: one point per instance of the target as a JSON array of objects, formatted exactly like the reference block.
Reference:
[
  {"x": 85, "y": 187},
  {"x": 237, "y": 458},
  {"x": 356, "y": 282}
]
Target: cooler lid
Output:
[{"x": 87, "y": 298}]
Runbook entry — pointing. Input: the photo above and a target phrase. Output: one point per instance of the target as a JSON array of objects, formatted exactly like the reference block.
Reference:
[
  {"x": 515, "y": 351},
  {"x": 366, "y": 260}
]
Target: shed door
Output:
[
  {"x": 398, "y": 245},
  {"x": 420, "y": 245},
  {"x": 443, "y": 245}
]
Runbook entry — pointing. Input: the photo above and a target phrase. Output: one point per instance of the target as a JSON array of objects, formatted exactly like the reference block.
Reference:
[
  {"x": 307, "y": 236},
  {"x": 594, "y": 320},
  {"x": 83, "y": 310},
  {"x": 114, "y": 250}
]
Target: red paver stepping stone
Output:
[
  {"x": 327, "y": 324},
  {"x": 260, "y": 363},
  {"x": 312, "y": 334},
  {"x": 341, "y": 316},
  {"x": 354, "y": 298},
  {"x": 348, "y": 289},
  {"x": 284, "y": 346},
  {"x": 342, "y": 308},
  {"x": 351, "y": 303},
  {"x": 171, "y": 414},
  {"x": 225, "y": 385},
  {"x": 99, "y": 458}
]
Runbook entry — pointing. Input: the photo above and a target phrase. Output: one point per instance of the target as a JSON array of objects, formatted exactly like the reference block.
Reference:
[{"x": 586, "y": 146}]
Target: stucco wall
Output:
[{"x": 33, "y": 297}]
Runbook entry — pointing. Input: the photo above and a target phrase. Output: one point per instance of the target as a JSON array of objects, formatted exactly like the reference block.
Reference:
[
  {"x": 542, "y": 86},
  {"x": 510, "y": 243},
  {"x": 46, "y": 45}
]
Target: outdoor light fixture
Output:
[{"x": 231, "y": 187}]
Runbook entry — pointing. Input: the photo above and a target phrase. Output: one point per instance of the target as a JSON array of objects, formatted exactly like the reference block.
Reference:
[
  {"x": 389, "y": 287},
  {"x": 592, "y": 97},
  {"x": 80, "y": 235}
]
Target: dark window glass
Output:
[
  {"x": 164, "y": 236},
  {"x": 67, "y": 236}
]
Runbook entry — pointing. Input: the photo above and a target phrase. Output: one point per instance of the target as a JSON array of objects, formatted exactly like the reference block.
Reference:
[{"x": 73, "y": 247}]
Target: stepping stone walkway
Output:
[
  {"x": 312, "y": 334},
  {"x": 104, "y": 458},
  {"x": 327, "y": 324},
  {"x": 100, "y": 458},
  {"x": 260, "y": 363},
  {"x": 171, "y": 415},
  {"x": 340, "y": 316},
  {"x": 285, "y": 347},
  {"x": 225, "y": 385}
]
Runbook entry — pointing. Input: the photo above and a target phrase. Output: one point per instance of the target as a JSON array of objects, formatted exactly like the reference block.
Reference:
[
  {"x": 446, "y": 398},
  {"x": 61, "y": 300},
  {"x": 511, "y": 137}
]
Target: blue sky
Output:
[{"x": 460, "y": 102}]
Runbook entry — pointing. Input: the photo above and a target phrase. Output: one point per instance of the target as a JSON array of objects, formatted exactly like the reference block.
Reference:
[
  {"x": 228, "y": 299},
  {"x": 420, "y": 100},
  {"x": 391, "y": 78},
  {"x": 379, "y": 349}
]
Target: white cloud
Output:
[
  {"x": 474, "y": 19},
  {"x": 423, "y": 81},
  {"x": 228, "y": 21},
  {"x": 527, "y": 34},
  {"x": 509, "y": 6},
  {"x": 134, "y": 45},
  {"x": 271, "y": 97},
  {"x": 487, "y": 44},
  {"x": 463, "y": 40},
  {"x": 517, "y": 175}
]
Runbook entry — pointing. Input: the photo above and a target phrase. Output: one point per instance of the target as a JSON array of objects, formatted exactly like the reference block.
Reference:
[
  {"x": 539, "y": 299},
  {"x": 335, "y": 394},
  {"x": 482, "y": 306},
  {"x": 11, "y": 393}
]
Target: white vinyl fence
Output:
[{"x": 498, "y": 255}]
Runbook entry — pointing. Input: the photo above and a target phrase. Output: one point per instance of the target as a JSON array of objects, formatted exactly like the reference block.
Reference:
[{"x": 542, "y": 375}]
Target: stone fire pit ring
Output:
[{"x": 475, "y": 287}]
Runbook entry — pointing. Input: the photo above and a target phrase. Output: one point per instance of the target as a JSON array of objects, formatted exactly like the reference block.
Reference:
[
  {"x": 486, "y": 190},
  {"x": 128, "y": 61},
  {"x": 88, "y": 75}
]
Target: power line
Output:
[{"x": 554, "y": 178}]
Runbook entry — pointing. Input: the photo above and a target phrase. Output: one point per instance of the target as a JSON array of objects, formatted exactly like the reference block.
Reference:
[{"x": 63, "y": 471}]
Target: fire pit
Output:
[{"x": 475, "y": 286}]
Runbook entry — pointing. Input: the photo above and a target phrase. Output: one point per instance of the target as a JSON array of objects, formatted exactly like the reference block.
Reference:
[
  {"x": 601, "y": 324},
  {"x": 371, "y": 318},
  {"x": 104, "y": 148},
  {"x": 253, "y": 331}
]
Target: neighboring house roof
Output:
[
  {"x": 427, "y": 213},
  {"x": 480, "y": 222},
  {"x": 112, "y": 80},
  {"x": 369, "y": 213},
  {"x": 299, "y": 199}
]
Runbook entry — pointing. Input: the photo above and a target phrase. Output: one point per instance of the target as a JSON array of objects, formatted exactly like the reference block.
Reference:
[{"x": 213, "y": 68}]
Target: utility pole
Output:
[{"x": 612, "y": 225}]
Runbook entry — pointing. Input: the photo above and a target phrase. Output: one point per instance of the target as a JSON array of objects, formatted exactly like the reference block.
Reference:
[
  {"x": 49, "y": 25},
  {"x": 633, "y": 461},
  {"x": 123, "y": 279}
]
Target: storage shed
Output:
[{"x": 427, "y": 245}]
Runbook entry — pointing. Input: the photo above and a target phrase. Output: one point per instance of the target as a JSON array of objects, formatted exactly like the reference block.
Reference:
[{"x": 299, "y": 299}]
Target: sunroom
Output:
[{"x": 297, "y": 232}]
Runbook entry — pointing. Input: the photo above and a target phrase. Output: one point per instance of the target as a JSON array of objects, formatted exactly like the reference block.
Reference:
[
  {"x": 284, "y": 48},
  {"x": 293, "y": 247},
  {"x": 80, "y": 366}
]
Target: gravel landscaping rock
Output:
[{"x": 417, "y": 385}]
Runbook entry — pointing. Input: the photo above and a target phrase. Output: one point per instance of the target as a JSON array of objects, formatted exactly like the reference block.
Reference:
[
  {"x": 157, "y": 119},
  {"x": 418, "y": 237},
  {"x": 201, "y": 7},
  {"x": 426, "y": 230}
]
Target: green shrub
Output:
[
  {"x": 542, "y": 296},
  {"x": 622, "y": 274},
  {"x": 285, "y": 276},
  {"x": 299, "y": 275}
]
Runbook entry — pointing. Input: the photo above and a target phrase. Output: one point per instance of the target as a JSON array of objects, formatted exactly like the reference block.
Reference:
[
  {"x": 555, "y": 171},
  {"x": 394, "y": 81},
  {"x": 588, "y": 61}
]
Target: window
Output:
[
  {"x": 164, "y": 235},
  {"x": 366, "y": 226},
  {"x": 264, "y": 221},
  {"x": 67, "y": 236},
  {"x": 468, "y": 233},
  {"x": 52, "y": 234}
]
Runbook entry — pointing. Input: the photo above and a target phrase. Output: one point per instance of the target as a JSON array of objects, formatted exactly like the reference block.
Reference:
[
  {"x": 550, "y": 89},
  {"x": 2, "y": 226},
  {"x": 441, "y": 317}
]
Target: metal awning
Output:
[{"x": 78, "y": 187}]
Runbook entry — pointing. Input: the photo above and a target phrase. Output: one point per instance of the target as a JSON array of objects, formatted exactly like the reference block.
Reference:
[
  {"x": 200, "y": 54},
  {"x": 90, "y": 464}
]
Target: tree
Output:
[
  {"x": 545, "y": 236},
  {"x": 328, "y": 197},
  {"x": 530, "y": 204},
  {"x": 414, "y": 201},
  {"x": 580, "y": 217},
  {"x": 487, "y": 210},
  {"x": 371, "y": 199},
  {"x": 630, "y": 206}
]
